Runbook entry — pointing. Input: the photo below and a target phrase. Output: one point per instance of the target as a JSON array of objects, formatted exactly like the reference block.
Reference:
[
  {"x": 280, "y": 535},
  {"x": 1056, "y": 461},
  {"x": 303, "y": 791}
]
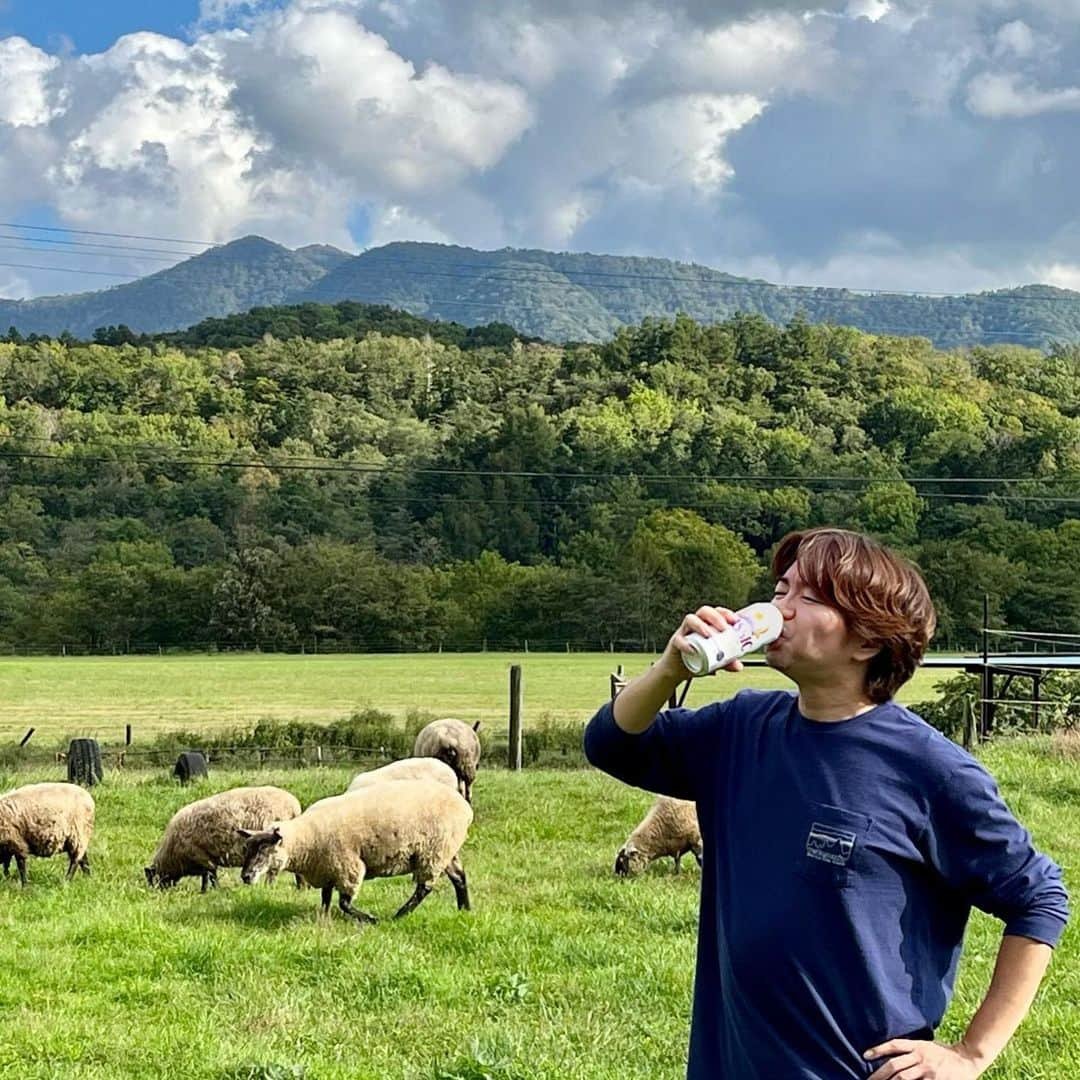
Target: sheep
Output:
[
  {"x": 669, "y": 828},
  {"x": 43, "y": 820},
  {"x": 454, "y": 742},
  {"x": 417, "y": 768},
  {"x": 412, "y": 827},
  {"x": 202, "y": 836}
]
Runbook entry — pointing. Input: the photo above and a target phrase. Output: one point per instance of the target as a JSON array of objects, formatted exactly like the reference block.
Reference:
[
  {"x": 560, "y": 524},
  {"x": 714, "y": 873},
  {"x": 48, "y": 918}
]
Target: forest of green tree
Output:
[{"x": 403, "y": 490}]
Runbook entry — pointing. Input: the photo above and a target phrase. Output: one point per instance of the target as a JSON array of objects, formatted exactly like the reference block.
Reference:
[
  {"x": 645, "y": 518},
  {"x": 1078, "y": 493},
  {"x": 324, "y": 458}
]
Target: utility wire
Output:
[
  {"x": 314, "y": 461},
  {"x": 92, "y": 232},
  {"x": 69, "y": 270}
]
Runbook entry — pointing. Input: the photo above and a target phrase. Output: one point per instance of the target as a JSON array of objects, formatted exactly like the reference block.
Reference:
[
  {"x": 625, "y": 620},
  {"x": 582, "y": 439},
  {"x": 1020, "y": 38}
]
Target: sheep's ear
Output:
[
  {"x": 476, "y": 726},
  {"x": 246, "y": 833},
  {"x": 276, "y": 833}
]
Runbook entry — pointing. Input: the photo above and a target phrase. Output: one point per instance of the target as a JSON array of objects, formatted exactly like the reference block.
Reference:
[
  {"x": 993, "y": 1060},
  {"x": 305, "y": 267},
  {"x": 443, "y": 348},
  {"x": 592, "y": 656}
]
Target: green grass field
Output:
[
  {"x": 560, "y": 971},
  {"x": 95, "y": 697}
]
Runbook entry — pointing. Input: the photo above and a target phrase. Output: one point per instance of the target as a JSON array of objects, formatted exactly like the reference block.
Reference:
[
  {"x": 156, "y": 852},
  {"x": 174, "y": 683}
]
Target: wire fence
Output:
[{"x": 365, "y": 646}]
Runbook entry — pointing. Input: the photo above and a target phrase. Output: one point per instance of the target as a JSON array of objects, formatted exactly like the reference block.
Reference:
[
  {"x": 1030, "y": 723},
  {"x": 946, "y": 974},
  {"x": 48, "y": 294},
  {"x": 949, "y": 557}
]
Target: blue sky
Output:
[
  {"x": 888, "y": 144},
  {"x": 92, "y": 27}
]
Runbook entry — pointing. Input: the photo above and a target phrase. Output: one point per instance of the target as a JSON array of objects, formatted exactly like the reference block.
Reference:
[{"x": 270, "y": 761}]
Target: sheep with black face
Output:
[{"x": 412, "y": 827}]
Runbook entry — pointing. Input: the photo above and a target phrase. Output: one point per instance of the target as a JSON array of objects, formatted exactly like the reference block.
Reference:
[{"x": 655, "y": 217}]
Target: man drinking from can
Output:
[{"x": 846, "y": 840}]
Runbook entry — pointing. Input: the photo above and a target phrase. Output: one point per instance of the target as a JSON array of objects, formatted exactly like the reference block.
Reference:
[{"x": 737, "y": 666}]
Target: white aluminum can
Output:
[{"x": 756, "y": 626}]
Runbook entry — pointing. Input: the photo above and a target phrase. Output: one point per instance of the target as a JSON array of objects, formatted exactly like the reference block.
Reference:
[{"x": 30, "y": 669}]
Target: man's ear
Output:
[{"x": 865, "y": 653}]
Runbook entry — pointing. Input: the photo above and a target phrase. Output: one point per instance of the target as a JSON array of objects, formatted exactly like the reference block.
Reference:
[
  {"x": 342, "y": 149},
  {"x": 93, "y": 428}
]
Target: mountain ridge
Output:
[{"x": 558, "y": 296}]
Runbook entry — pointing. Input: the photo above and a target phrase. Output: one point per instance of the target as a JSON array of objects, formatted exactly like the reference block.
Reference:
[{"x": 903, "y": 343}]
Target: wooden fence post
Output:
[{"x": 514, "y": 748}]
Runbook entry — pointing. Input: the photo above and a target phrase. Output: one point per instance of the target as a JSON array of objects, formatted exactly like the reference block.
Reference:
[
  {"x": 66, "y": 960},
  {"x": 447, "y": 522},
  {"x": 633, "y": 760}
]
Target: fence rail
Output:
[{"x": 318, "y": 647}]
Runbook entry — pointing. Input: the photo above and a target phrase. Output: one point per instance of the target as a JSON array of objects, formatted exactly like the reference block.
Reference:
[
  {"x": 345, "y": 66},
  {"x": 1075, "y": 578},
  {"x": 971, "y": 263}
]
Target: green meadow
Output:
[
  {"x": 94, "y": 697},
  {"x": 559, "y": 971}
]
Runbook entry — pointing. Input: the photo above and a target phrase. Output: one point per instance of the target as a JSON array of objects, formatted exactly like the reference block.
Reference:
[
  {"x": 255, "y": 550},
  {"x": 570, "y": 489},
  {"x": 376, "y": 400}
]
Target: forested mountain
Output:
[
  {"x": 221, "y": 281},
  {"x": 557, "y": 297},
  {"x": 568, "y": 297},
  {"x": 401, "y": 492}
]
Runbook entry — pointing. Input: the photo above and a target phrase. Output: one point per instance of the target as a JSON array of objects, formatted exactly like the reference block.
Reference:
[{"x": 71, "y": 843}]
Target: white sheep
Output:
[
  {"x": 454, "y": 742},
  {"x": 43, "y": 820},
  {"x": 202, "y": 835},
  {"x": 669, "y": 828},
  {"x": 412, "y": 827},
  {"x": 414, "y": 768}
]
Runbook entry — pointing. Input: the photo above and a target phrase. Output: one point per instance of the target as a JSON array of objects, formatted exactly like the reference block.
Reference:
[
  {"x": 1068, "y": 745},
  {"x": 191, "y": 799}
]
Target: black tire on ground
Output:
[
  {"x": 84, "y": 762},
  {"x": 190, "y": 765}
]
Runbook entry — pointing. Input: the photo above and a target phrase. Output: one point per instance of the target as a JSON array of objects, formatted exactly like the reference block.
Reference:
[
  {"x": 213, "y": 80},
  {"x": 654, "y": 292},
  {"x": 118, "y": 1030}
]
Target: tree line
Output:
[{"x": 398, "y": 490}]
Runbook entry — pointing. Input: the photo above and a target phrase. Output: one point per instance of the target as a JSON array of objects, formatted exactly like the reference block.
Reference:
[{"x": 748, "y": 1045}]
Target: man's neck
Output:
[{"x": 830, "y": 703}]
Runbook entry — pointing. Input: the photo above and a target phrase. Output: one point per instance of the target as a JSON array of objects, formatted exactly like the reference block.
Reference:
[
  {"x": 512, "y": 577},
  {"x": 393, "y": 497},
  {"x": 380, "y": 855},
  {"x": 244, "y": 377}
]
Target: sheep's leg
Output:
[
  {"x": 456, "y": 873},
  {"x": 697, "y": 852},
  {"x": 209, "y": 879},
  {"x": 419, "y": 893},
  {"x": 84, "y": 864},
  {"x": 678, "y": 863},
  {"x": 468, "y": 792},
  {"x": 5, "y": 861},
  {"x": 300, "y": 883},
  {"x": 73, "y": 862},
  {"x": 362, "y": 917},
  {"x": 327, "y": 896},
  {"x": 20, "y": 863}
]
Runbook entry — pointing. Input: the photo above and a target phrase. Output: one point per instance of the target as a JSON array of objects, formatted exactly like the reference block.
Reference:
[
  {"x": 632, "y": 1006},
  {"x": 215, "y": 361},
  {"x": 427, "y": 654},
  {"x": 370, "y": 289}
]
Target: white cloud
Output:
[
  {"x": 679, "y": 141},
  {"x": 25, "y": 96},
  {"x": 1063, "y": 275},
  {"x": 801, "y": 141},
  {"x": 1015, "y": 38},
  {"x": 326, "y": 89},
  {"x": 1008, "y": 95},
  {"x": 868, "y": 9}
]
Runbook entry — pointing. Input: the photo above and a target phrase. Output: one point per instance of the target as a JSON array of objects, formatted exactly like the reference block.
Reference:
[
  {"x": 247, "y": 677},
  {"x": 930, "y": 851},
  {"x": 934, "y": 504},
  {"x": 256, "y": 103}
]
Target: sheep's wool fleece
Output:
[
  {"x": 204, "y": 833},
  {"x": 450, "y": 734},
  {"x": 669, "y": 828},
  {"x": 409, "y": 827},
  {"x": 414, "y": 768},
  {"x": 45, "y": 817}
]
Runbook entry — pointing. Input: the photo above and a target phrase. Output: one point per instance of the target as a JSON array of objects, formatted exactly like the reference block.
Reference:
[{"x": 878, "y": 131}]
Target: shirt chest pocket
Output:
[{"x": 830, "y": 844}]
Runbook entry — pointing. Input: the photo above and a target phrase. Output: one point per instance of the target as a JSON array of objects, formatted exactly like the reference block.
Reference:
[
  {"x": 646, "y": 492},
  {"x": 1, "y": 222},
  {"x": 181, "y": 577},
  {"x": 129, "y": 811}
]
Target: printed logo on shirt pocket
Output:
[{"x": 830, "y": 844}]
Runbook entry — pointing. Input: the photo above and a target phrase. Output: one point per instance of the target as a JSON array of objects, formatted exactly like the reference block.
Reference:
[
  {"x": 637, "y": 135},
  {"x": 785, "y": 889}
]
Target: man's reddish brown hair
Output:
[{"x": 880, "y": 594}]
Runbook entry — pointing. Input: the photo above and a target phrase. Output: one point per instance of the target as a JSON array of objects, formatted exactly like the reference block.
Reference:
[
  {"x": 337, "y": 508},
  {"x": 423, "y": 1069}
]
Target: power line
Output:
[
  {"x": 118, "y": 235},
  {"x": 122, "y": 248},
  {"x": 352, "y": 468},
  {"x": 89, "y": 254},
  {"x": 313, "y": 461},
  {"x": 68, "y": 270},
  {"x": 842, "y": 294}
]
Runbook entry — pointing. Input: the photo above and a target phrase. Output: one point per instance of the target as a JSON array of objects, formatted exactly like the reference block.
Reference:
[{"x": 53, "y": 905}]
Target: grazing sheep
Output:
[
  {"x": 414, "y": 768},
  {"x": 412, "y": 827},
  {"x": 43, "y": 820},
  {"x": 669, "y": 828},
  {"x": 203, "y": 835},
  {"x": 454, "y": 742}
]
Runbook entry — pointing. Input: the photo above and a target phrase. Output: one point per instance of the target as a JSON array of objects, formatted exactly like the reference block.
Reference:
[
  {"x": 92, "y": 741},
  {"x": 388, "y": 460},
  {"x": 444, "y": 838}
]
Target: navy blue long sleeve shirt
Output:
[{"x": 841, "y": 864}]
